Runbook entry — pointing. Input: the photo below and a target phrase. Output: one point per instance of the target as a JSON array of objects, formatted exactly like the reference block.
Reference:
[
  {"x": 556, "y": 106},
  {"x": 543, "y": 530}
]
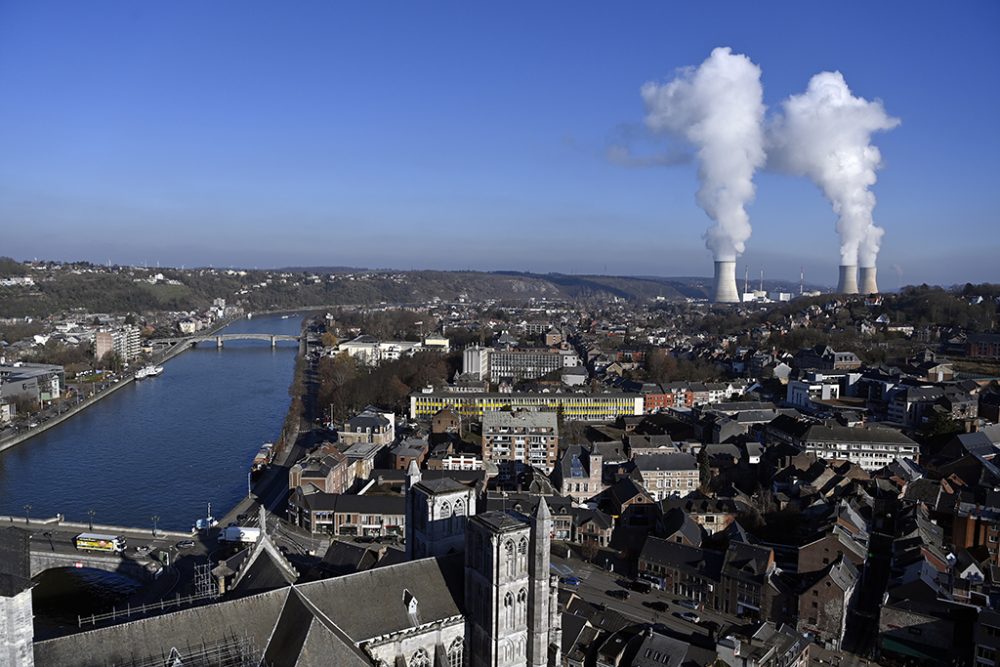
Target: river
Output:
[{"x": 163, "y": 446}]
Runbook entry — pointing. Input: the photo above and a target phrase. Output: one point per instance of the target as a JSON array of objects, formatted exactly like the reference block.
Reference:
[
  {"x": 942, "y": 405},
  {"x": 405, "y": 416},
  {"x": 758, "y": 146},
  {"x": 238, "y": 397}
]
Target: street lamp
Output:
[
  {"x": 91, "y": 513},
  {"x": 249, "y": 489},
  {"x": 27, "y": 514},
  {"x": 155, "y": 519}
]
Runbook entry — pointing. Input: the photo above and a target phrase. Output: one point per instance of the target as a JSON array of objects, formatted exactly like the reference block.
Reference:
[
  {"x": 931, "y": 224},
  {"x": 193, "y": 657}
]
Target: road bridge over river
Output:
[
  {"x": 220, "y": 339},
  {"x": 52, "y": 546}
]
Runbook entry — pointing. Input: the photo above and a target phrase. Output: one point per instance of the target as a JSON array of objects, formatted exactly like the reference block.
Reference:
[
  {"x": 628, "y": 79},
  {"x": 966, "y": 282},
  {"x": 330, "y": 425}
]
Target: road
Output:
[{"x": 595, "y": 582}]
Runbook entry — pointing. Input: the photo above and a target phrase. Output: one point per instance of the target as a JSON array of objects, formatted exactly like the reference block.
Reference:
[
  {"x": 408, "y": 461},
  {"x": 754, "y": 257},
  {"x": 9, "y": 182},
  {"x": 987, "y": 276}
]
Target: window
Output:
[
  {"x": 455, "y": 653},
  {"x": 419, "y": 659},
  {"x": 508, "y": 610}
]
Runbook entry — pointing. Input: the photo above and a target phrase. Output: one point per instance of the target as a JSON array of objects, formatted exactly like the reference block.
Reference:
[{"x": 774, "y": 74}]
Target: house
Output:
[
  {"x": 331, "y": 473},
  {"x": 578, "y": 474},
  {"x": 666, "y": 475},
  {"x": 592, "y": 527},
  {"x": 347, "y": 514},
  {"x": 444, "y": 421},
  {"x": 370, "y": 426},
  {"x": 771, "y": 645},
  {"x": 825, "y": 600},
  {"x": 410, "y": 449}
]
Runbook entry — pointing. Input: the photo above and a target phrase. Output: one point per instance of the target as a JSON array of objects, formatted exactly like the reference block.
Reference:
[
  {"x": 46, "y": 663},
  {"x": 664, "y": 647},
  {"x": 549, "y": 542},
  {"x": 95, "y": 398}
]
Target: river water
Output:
[{"x": 163, "y": 446}]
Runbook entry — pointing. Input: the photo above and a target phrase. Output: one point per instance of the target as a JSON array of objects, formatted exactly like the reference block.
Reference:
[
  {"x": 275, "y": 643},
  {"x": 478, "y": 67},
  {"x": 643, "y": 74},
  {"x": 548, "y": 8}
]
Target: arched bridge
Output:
[
  {"x": 42, "y": 559},
  {"x": 220, "y": 339}
]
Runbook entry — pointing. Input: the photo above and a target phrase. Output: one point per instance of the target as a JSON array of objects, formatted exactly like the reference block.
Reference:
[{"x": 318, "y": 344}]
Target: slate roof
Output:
[
  {"x": 688, "y": 559},
  {"x": 441, "y": 485},
  {"x": 745, "y": 560},
  {"x": 676, "y": 520},
  {"x": 672, "y": 461},
  {"x": 308, "y": 625},
  {"x": 837, "y": 433},
  {"x": 437, "y": 584},
  {"x": 498, "y": 521}
]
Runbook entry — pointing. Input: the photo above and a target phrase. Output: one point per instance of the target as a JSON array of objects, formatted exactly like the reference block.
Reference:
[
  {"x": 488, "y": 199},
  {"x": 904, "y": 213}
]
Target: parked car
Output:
[
  {"x": 657, "y": 605},
  {"x": 689, "y": 616},
  {"x": 185, "y": 544},
  {"x": 142, "y": 549},
  {"x": 619, "y": 593},
  {"x": 569, "y": 581},
  {"x": 640, "y": 586}
]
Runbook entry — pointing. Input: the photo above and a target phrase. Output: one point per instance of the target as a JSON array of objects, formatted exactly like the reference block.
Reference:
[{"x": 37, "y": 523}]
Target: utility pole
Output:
[{"x": 27, "y": 514}]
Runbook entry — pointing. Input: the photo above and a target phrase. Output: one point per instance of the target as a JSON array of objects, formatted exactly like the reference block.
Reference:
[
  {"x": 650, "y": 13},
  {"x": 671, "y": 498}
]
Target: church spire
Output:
[
  {"x": 412, "y": 474},
  {"x": 539, "y": 600}
]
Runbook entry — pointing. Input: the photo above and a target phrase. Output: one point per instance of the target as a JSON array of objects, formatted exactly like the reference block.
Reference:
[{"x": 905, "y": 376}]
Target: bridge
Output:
[
  {"x": 51, "y": 545},
  {"x": 220, "y": 339},
  {"x": 43, "y": 559}
]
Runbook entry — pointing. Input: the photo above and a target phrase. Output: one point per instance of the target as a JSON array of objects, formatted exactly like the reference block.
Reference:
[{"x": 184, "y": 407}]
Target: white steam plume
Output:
[
  {"x": 825, "y": 134},
  {"x": 719, "y": 108}
]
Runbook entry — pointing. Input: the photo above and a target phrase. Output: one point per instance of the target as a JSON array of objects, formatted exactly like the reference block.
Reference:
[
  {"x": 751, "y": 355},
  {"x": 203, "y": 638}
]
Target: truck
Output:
[{"x": 239, "y": 534}]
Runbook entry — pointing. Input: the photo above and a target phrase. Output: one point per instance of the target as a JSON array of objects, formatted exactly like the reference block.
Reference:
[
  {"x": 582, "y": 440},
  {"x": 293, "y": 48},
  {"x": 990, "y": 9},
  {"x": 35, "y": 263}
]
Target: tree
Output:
[
  {"x": 704, "y": 469},
  {"x": 941, "y": 423},
  {"x": 112, "y": 362},
  {"x": 329, "y": 339}
]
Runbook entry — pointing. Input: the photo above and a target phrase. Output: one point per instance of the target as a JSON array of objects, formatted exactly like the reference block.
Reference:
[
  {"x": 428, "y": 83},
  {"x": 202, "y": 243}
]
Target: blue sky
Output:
[{"x": 469, "y": 135}]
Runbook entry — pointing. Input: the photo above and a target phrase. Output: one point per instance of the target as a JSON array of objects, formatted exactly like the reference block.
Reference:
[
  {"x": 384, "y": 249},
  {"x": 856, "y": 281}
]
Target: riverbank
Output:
[
  {"x": 17, "y": 439},
  {"x": 271, "y": 489}
]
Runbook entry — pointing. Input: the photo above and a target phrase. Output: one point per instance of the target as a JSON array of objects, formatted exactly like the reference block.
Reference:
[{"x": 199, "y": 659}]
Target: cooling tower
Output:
[
  {"x": 848, "y": 280},
  {"x": 725, "y": 283},
  {"x": 868, "y": 284}
]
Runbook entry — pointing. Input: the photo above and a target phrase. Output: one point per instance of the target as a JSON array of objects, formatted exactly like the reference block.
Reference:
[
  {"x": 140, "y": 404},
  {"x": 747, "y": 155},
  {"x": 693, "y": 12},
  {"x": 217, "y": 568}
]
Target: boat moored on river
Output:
[{"x": 148, "y": 372}]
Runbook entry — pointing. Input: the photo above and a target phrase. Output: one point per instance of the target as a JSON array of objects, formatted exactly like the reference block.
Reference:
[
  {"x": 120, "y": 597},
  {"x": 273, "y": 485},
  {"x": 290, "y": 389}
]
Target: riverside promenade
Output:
[{"x": 162, "y": 358}]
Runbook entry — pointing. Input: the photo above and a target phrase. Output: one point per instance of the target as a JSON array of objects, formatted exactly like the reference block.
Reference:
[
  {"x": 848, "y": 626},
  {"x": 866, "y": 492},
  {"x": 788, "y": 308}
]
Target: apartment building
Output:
[{"x": 515, "y": 440}]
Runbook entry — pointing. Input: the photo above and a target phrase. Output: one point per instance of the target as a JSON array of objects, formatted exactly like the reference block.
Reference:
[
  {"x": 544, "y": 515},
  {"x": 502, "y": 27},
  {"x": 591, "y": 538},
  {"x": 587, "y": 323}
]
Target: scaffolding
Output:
[
  {"x": 234, "y": 651},
  {"x": 206, "y": 588}
]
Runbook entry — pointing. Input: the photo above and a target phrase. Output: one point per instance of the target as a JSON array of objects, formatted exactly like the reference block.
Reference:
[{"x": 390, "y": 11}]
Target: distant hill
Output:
[{"x": 84, "y": 287}]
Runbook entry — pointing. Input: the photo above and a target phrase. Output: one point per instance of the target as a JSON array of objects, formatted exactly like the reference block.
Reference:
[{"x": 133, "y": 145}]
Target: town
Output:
[{"x": 797, "y": 479}]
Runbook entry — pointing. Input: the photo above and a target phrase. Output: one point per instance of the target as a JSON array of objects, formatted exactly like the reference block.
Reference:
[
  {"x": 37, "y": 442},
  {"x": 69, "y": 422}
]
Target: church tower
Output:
[
  {"x": 508, "y": 591},
  {"x": 436, "y": 514}
]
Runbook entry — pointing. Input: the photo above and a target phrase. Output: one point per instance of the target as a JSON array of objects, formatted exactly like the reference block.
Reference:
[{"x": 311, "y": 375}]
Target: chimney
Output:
[
  {"x": 848, "y": 279},
  {"x": 868, "y": 284},
  {"x": 725, "y": 283}
]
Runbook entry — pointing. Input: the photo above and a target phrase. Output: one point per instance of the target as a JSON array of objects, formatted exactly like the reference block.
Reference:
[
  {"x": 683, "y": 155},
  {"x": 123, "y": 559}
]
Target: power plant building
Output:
[
  {"x": 848, "y": 283},
  {"x": 724, "y": 286}
]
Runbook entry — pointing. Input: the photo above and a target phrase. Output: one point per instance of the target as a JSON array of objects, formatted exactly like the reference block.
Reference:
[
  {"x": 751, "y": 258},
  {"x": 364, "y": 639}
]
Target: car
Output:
[
  {"x": 657, "y": 605},
  {"x": 685, "y": 602},
  {"x": 640, "y": 586},
  {"x": 142, "y": 549},
  {"x": 619, "y": 593},
  {"x": 569, "y": 581},
  {"x": 185, "y": 544},
  {"x": 689, "y": 616},
  {"x": 364, "y": 539}
]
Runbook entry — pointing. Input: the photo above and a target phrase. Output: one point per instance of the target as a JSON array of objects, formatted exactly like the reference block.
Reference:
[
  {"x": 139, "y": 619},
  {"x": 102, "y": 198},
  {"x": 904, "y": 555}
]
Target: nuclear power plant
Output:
[
  {"x": 725, "y": 283},
  {"x": 848, "y": 283},
  {"x": 868, "y": 284}
]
